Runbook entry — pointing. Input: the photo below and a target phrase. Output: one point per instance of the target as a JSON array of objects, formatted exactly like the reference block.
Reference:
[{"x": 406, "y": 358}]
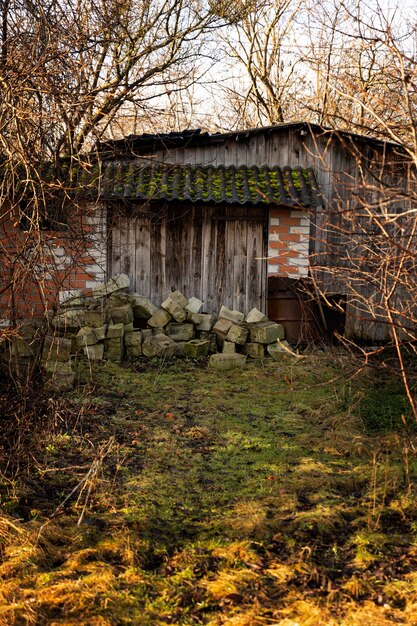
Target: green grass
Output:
[{"x": 254, "y": 497}]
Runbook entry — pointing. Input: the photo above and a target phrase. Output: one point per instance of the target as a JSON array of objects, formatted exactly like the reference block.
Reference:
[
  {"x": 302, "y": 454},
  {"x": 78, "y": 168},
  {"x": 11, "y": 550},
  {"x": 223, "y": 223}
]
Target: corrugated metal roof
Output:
[{"x": 209, "y": 184}]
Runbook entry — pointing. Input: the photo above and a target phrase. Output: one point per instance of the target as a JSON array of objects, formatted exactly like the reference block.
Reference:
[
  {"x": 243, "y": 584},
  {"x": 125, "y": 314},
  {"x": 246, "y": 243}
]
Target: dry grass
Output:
[{"x": 216, "y": 503}]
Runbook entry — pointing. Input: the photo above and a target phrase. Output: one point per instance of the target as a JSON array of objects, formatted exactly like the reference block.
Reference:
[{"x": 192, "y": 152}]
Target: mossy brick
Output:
[
  {"x": 60, "y": 376},
  {"x": 179, "y": 297},
  {"x": 227, "y": 362},
  {"x": 113, "y": 348},
  {"x": 22, "y": 347},
  {"x": 172, "y": 306},
  {"x": 70, "y": 320},
  {"x": 179, "y": 348},
  {"x": 238, "y": 334},
  {"x": 121, "y": 314},
  {"x": 133, "y": 344},
  {"x": 95, "y": 319},
  {"x": 197, "y": 348},
  {"x": 228, "y": 347},
  {"x": 56, "y": 348},
  {"x": 203, "y": 321},
  {"x": 158, "y": 346},
  {"x": 101, "y": 332},
  {"x": 255, "y": 315},
  {"x": 119, "y": 298},
  {"x": 116, "y": 283},
  {"x": 143, "y": 308},
  {"x": 94, "y": 353},
  {"x": 180, "y": 332},
  {"x": 194, "y": 305},
  {"x": 71, "y": 298},
  {"x": 281, "y": 351},
  {"x": 221, "y": 328},
  {"x": 254, "y": 350},
  {"x": 115, "y": 330},
  {"x": 266, "y": 332},
  {"x": 160, "y": 319},
  {"x": 86, "y": 337},
  {"x": 232, "y": 316},
  {"x": 211, "y": 337}
]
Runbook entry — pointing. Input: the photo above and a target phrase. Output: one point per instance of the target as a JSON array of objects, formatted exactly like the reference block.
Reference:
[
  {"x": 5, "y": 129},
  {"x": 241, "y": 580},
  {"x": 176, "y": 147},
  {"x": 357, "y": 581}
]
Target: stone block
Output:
[
  {"x": 71, "y": 297},
  {"x": 121, "y": 314},
  {"x": 60, "y": 376},
  {"x": 86, "y": 337},
  {"x": 101, "y": 332},
  {"x": 221, "y": 328},
  {"x": 119, "y": 298},
  {"x": 180, "y": 332},
  {"x": 203, "y": 321},
  {"x": 22, "y": 347},
  {"x": 211, "y": 337},
  {"x": 237, "y": 334},
  {"x": 158, "y": 346},
  {"x": 113, "y": 348},
  {"x": 197, "y": 348},
  {"x": 69, "y": 321},
  {"x": 281, "y": 351},
  {"x": 178, "y": 296},
  {"x": 255, "y": 315},
  {"x": 115, "y": 331},
  {"x": 133, "y": 344},
  {"x": 56, "y": 348},
  {"x": 118, "y": 282},
  {"x": 94, "y": 353},
  {"x": 179, "y": 348},
  {"x": 94, "y": 318},
  {"x": 129, "y": 328},
  {"x": 143, "y": 308},
  {"x": 266, "y": 332},
  {"x": 254, "y": 350},
  {"x": 160, "y": 319},
  {"x": 232, "y": 316},
  {"x": 226, "y": 362},
  {"x": 194, "y": 305},
  {"x": 228, "y": 347},
  {"x": 175, "y": 305}
]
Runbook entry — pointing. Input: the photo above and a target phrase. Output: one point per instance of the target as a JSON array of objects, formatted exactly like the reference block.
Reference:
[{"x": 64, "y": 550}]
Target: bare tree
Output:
[{"x": 261, "y": 55}]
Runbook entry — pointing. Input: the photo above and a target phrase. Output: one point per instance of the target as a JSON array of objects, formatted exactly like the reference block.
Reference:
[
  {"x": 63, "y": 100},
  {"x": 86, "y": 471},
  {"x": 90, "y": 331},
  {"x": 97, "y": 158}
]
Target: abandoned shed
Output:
[{"x": 233, "y": 218}]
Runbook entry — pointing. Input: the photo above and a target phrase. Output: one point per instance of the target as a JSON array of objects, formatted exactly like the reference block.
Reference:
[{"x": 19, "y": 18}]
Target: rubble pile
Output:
[{"x": 110, "y": 323}]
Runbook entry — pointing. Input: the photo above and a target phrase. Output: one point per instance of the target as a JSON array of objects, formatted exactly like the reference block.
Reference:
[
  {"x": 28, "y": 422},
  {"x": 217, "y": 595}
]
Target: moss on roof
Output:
[{"x": 209, "y": 184}]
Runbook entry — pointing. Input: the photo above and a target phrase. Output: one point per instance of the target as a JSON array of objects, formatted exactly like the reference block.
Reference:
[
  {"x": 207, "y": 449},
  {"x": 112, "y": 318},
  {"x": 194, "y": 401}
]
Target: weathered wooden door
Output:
[{"x": 217, "y": 254}]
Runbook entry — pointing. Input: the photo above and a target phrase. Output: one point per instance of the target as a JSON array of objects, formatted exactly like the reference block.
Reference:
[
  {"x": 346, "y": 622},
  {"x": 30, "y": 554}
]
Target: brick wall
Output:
[
  {"x": 36, "y": 266},
  {"x": 288, "y": 243}
]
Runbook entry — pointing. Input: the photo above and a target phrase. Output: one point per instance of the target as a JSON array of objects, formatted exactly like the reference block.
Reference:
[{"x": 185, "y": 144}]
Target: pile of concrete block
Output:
[{"x": 110, "y": 323}]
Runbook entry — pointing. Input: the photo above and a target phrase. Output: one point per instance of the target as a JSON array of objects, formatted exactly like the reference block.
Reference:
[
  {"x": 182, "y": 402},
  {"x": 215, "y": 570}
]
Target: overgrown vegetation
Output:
[{"x": 182, "y": 498}]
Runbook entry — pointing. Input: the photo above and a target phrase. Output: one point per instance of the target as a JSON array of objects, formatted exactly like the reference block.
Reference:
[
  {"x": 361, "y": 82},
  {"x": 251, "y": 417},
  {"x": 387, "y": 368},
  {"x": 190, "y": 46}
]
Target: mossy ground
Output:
[{"x": 250, "y": 498}]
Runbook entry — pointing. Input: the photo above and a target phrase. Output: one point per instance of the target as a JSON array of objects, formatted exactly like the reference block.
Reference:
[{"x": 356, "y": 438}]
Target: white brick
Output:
[
  {"x": 298, "y": 261},
  {"x": 90, "y": 284},
  {"x": 94, "y": 269},
  {"x": 272, "y": 270},
  {"x": 304, "y": 221},
  {"x": 301, "y": 247},
  {"x": 274, "y": 221},
  {"x": 299, "y": 230},
  {"x": 298, "y": 213},
  {"x": 59, "y": 251}
]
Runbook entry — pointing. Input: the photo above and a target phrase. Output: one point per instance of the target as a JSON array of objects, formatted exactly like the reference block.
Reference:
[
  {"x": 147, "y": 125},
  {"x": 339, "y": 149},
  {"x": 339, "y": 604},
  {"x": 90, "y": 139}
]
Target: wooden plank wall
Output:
[{"x": 216, "y": 254}]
